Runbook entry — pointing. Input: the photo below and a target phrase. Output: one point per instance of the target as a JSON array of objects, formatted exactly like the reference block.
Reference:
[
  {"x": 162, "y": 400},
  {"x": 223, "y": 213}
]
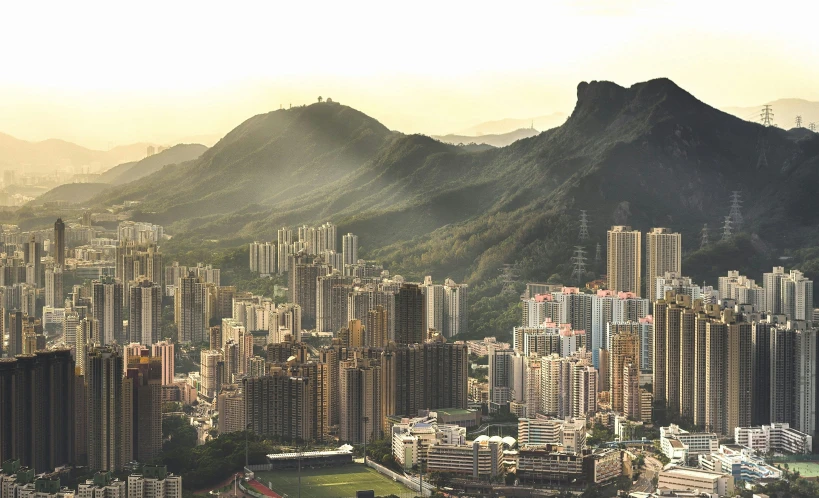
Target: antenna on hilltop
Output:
[
  {"x": 584, "y": 226},
  {"x": 799, "y": 121},
  {"x": 704, "y": 237},
  {"x": 726, "y": 229},
  {"x": 579, "y": 263}
]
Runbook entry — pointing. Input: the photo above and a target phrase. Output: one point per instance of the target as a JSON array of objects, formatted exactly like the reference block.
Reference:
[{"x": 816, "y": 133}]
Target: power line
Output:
[
  {"x": 579, "y": 263},
  {"x": 726, "y": 229},
  {"x": 704, "y": 237},
  {"x": 509, "y": 275},
  {"x": 799, "y": 121},
  {"x": 584, "y": 226},
  {"x": 767, "y": 115},
  {"x": 812, "y": 127},
  {"x": 736, "y": 209},
  {"x": 598, "y": 256}
]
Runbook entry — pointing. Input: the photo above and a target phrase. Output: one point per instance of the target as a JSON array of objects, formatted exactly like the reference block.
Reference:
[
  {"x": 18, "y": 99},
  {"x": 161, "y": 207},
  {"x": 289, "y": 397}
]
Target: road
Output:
[
  {"x": 486, "y": 426},
  {"x": 645, "y": 484}
]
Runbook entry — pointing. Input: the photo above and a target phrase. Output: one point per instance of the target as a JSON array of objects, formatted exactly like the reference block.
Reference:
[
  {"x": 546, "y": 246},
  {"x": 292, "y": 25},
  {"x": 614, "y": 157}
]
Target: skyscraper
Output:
[
  {"x": 108, "y": 302},
  {"x": 142, "y": 409},
  {"x": 360, "y": 417},
  {"x": 34, "y": 256},
  {"x": 663, "y": 254},
  {"x": 59, "y": 243},
  {"x": 376, "y": 327},
  {"x": 104, "y": 404},
  {"x": 302, "y": 288},
  {"x": 409, "y": 322},
  {"x": 456, "y": 309},
  {"x": 349, "y": 249},
  {"x": 624, "y": 255},
  {"x": 54, "y": 296},
  {"x": 772, "y": 282},
  {"x": 625, "y": 350},
  {"x": 189, "y": 301},
  {"x": 145, "y": 320}
]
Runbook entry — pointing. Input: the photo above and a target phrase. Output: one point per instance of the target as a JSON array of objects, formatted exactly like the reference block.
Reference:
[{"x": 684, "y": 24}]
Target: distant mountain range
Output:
[
  {"x": 647, "y": 155},
  {"x": 784, "y": 110},
  {"x": 502, "y": 126},
  {"x": 53, "y": 154},
  {"x": 501, "y": 140},
  {"x": 81, "y": 193}
]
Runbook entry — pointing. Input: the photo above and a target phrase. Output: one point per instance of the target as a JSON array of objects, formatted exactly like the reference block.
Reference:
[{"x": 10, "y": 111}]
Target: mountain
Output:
[
  {"x": 128, "y": 172},
  {"x": 784, "y": 110},
  {"x": 52, "y": 154},
  {"x": 70, "y": 193},
  {"x": 647, "y": 155},
  {"x": 501, "y": 140},
  {"x": 507, "y": 125}
]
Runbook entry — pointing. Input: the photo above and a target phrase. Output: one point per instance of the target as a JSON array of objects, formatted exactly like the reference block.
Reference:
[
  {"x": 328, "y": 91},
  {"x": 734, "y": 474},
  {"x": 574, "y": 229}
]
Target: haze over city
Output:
[{"x": 103, "y": 74}]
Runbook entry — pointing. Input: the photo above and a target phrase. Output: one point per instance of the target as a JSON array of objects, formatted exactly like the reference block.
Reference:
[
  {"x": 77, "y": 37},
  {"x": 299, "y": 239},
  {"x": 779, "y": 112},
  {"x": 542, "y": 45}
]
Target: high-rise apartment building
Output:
[
  {"x": 360, "y": 417},
  {"x": 409, "y": 307},
  {"x": 54, "y": 296},
  {"x": 624, "y": 256},
  {"x": 37, "y": 409},
  {"x": 624, "y": 350},
  {"x": 145, "y": 320},
  {"x": 104, "y": 408},
  {"x": 190, "y": 303},
  {"x": 154, "y": 482},
  {"x": 209, "y": 372},
  {"x": 262, "y": 258},
  {"x": 772, "y": 282},
  {"x": 142, "y": 409},
  {"x": 376, "y": 327},
  {"x": 302, "y": 289},
  {"x": 164, "y": 350},
  {"x": 108, "y": 303},
  {"x": 349, "y": 249},
  {"x": 456, "y": 309},
  {"x": 663, "y": 254},
  {"x": 796, "y": 296}
]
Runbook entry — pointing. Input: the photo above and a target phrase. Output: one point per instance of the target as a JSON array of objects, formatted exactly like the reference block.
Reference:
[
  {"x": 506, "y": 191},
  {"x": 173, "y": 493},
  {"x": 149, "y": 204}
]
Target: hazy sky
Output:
[{"x": 118, "y": 72}]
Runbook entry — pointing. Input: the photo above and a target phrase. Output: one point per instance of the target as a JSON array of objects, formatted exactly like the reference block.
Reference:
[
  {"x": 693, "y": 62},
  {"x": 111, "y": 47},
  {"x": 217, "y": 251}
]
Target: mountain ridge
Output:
[{"x": 647, "y": 155}]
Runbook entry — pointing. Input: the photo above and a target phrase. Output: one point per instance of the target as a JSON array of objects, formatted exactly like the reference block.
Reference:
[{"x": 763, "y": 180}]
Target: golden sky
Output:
[{"x": 102, "y": 73}]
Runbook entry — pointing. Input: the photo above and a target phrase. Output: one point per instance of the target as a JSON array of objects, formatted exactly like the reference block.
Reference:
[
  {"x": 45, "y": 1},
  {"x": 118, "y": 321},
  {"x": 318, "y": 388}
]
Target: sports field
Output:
[
  {"x": 332, "y": 482},
  {"x": 806, "y": 469}
]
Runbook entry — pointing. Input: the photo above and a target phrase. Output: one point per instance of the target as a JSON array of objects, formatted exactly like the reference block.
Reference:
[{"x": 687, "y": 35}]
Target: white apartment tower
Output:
[{"x": 663, "y": 254}]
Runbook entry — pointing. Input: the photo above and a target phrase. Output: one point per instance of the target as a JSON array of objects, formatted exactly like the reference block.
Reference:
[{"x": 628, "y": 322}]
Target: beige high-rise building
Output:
[
  {"x": 663, "y": 254},
  {"x": 739, "y": 377},
  {"x": 624, "y": 256},
  {"x": 165, "y": 351},
  {"x": 625, "y": 349},
  {"x": 231, "y": 407},
  {"x": 376, "y": 328},
  {"x": 631, "y": 391},
  {"x": 360, "y": 388},
  {"x": 208, "y": 370}
]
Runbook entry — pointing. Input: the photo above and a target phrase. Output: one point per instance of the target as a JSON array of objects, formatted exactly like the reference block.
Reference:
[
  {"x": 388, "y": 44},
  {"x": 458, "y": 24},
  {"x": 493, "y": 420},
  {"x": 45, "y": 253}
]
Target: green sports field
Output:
[
  {"x": 332, "y": 482},
  {"x": 806, "y": 469}
]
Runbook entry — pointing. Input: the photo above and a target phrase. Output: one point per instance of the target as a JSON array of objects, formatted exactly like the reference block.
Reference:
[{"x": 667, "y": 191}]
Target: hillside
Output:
[
  {"x": 128, "y": 172},
  {"x": 500, "y": 140},
  {"x": 648, "y": 155},
  {"x": 71, "y": 193},
  {"x": 49, "y": 155}
]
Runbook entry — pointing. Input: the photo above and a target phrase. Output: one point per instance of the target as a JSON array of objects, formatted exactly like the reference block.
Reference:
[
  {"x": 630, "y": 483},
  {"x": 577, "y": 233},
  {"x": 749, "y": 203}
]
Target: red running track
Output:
[{"x": 263, "y": 489}]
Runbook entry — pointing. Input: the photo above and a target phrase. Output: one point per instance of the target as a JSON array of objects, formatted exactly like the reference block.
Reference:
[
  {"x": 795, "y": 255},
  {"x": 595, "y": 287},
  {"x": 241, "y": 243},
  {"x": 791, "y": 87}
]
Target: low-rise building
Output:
[
  {"x": 686, "y": 478},
  {"x": 480, "y": 458},
  {"x": 692, "y": 444},
  {"x": 607, "y": 464},
  {"x": 102, "y": 485},
  {"x": 412, "y": 437},
  {"x": 774, "y": 438},
  {"x": 154, "y": 482},
  {"x": 741, "y": 462},
  {"x": 20, "y": 482},
  {"x": 569, "y": 433},
  {"x": 550, "y": 464}
]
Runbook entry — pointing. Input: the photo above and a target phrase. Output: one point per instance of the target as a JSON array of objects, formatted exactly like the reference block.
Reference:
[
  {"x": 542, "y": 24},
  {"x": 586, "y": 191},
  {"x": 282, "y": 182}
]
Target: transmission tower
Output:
[
  {"x": 598, "y": 254},
  {"x": 509, "y": 275},
  {"x": 579, "y": 264},
  {"x": 726, "y": 229},
  {"x": 584, "y": 226},
  {"x": 799, "y": 121},
  {"x": 812, "y": 127},
  {"x": 704, "y": 237},
  {"x": 736, "y": 210},
  {"x": 767, "y": 115}
]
